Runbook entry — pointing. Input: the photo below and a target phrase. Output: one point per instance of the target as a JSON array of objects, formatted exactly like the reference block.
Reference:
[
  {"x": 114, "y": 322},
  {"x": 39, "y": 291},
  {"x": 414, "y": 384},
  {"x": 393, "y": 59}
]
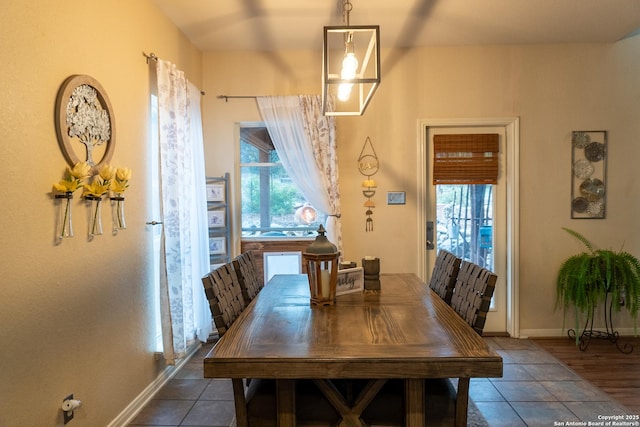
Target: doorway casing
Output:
[{"x": 512, "y": 131}]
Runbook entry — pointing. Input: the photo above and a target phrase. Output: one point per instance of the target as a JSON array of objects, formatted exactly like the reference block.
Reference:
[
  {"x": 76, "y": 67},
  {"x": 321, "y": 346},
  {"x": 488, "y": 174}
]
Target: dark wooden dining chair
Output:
[
  {"x": 447, "y": 399},
  {"x": 250, "y": 281},
  {"x": 472, "y": 294},
  {"x": 445, "y": 272},
  {"x": 471, "y": 299},
  {"x": 222, "y": 288},
  {"x": 226, "y": 302}
]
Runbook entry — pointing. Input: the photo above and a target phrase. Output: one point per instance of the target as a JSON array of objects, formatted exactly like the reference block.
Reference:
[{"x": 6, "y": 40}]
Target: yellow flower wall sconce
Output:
[
  {"x": 85, "y": 126},
  {"x": 108, "y": 181}
]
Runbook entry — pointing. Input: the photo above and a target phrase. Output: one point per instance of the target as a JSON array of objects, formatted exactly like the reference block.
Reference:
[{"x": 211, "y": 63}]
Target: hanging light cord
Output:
[{"x": 346, "y": 10}]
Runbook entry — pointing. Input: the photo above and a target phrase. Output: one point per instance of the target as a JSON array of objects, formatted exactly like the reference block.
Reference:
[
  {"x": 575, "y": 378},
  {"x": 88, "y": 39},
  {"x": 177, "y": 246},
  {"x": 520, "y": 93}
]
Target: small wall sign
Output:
[{"x": 396, "y": 198}]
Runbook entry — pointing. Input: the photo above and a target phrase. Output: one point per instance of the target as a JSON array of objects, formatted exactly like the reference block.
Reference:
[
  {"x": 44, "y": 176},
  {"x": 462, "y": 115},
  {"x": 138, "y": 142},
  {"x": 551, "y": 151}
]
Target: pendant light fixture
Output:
[{"x": 350, "y": 66}]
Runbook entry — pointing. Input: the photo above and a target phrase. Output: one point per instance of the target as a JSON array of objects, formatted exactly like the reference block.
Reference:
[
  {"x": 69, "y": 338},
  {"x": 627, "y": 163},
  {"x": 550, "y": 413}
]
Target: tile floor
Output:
[{"x": 536, "y": 390}]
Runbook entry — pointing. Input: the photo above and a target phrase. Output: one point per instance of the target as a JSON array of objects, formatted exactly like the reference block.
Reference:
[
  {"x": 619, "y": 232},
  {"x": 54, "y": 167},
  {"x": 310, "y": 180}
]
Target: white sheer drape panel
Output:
[
  {"x": 200, "y": 262},
  {"x": 305, "y": 142},
  {"x": 182, "y": 195}
]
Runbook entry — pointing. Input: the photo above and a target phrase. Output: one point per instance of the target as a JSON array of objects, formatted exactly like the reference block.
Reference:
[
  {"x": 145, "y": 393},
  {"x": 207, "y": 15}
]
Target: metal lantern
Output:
[{"x": 321, "y": 258}]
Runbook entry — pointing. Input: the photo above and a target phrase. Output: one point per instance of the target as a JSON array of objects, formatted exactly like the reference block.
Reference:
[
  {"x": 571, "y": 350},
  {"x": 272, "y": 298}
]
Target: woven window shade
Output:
[{"x": 465, "y": 159}]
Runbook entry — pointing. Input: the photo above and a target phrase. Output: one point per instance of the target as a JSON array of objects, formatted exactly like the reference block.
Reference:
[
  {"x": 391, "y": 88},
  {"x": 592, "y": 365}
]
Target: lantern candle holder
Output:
[{"x": 321, "y": 259}]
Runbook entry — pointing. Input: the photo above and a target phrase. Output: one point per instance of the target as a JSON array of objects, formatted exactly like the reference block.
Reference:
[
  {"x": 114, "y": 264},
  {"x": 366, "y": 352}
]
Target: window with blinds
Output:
[{"x": 466, "y": 159}]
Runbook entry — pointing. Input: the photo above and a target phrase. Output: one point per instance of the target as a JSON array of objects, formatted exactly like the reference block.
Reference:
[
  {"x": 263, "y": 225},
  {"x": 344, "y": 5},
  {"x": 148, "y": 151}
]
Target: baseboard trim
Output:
[
  {"x": 133, "y": 409},
  {"x": 551, "y": 333},
  {"x": 496, "y": 334}
]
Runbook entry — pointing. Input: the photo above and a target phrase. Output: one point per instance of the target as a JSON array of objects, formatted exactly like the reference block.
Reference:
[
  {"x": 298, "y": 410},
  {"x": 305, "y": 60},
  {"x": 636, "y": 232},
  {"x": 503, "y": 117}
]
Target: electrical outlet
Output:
[{"x": 68, "y": 415}]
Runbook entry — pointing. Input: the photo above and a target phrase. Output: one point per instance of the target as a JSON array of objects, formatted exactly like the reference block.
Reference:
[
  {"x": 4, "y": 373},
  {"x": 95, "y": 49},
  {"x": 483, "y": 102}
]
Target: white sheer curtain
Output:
[
  {"x": 200, "y": 264},
  {"x": 306, "y": 144},
  {"x": 183, "y": 210}
]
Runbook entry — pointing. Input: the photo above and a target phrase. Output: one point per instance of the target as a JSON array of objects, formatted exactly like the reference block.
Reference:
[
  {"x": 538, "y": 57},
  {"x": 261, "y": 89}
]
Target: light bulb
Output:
[
  {"x": 349, "y": 66},
  {"x": 344, "y": 91}
]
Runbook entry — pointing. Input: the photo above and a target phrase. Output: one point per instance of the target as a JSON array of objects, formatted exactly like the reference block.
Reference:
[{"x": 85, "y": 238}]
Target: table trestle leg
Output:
[
  {"x": 414, "y": 402},
  {"x": 286, "y": 400},
  {"x": 350, "y": 415},
  {"x": 462, "y": 402},
  {"x": 242, "y": 419}
]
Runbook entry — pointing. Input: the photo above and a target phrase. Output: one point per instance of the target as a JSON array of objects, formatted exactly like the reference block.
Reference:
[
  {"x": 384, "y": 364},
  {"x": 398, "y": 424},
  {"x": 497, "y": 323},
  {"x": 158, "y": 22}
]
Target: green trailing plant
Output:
[{"x": 585, "y": 279}]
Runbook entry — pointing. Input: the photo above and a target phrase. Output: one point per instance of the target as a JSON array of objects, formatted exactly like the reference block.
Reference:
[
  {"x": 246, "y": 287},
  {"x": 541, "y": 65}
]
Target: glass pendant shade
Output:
[{"x": 350, "y": 68}]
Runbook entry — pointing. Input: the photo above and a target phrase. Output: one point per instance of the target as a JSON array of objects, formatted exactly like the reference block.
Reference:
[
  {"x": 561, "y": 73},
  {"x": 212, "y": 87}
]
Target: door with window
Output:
[{"x": 469, "y": 216}]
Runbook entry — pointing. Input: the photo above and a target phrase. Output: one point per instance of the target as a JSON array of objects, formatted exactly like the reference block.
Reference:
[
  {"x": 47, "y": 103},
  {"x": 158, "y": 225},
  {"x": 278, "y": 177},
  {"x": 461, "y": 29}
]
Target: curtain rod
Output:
[
  {"x": 227, "y": 97},
  {"x": 152, "y": 57}
]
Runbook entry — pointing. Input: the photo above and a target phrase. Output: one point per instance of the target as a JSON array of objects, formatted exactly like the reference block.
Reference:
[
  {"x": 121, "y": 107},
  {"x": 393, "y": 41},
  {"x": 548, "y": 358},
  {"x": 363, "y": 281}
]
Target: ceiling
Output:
[{"x": 272, "y": 25}]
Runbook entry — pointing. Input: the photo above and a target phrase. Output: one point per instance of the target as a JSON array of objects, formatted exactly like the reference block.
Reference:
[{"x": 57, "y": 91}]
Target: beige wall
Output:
[
  {"x": 75, "y": 317},
  {"x": 552, "y": 89}
]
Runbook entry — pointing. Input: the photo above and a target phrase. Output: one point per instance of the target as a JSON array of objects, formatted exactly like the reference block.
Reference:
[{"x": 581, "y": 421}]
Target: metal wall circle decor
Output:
[
  {"x": 588, "y": 174},
  {"x": 85, "y": 122}
]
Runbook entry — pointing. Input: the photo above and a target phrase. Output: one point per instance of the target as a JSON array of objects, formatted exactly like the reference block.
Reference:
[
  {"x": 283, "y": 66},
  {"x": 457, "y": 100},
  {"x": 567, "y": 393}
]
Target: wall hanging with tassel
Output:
[{"x": 368, "y": 166}]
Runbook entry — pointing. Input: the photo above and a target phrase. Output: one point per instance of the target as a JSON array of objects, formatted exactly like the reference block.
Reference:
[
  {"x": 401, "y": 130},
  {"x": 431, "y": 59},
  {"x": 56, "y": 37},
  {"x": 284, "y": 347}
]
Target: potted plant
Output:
[{"x": 595, "y": 275}]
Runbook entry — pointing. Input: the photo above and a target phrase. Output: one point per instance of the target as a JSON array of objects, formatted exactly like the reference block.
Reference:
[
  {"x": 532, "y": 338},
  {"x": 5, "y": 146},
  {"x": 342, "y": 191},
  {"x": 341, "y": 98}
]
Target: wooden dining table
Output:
[{"x": 402, "y": 331}]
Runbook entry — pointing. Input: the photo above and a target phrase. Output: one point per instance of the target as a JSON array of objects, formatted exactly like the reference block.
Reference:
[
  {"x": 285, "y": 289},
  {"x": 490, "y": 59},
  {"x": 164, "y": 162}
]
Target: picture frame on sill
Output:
[
  {"x": 216, "y": 218},
  {"x": 350, "y": 280},
  {"x": 396, "y": 198},
  {"x": 215, "y": 193},
  {"x": 217, "y": 245}
]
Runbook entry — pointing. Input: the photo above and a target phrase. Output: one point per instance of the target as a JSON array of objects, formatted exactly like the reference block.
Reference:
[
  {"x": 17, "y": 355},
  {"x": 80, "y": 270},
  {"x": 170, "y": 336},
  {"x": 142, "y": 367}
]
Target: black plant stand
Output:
[{"x": 609, "y": 334}]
